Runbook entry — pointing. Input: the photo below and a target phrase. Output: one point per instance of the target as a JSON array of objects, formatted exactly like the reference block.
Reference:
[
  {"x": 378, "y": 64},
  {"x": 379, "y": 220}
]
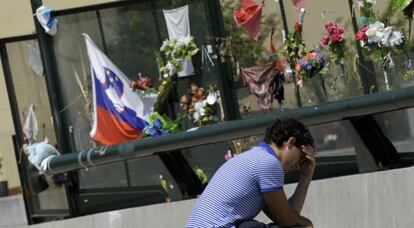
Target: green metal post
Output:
[
  {"x": 286, "y": 28},
  {"x": 229, "y": 95},
  {"x": 362, "y": 66}
]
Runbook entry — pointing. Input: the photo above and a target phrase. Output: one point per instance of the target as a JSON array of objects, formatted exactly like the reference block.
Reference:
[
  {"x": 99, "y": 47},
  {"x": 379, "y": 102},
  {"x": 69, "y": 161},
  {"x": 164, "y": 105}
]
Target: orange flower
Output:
[
  {"x": 312, "y": 55},
  {"x": 298, "y": 68}
]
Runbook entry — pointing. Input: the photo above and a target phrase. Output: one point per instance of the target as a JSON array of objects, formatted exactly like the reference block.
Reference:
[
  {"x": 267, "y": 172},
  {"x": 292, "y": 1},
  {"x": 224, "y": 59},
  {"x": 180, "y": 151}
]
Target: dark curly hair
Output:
[{"x": 282, "y": 130}]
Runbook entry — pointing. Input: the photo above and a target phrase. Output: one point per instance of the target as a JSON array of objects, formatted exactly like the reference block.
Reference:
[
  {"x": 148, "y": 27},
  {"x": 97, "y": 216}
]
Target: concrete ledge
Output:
[
  {"x": 12, "y": 212},
  {"x": 381, "y": 199}
]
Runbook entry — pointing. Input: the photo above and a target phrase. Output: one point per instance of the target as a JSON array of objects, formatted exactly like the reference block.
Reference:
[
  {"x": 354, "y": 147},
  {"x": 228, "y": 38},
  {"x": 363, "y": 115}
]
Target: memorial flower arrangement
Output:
[
  {"x": 143, "y": 83},
  {"x": 177, "y": 51},
  {"x": 310, "y": 65},
  {"x": 335, "y": 41},
  {"x": 377, "y": 38},
  {"x": 201, "y": 106},
  {"x": 294, "y": 44}
]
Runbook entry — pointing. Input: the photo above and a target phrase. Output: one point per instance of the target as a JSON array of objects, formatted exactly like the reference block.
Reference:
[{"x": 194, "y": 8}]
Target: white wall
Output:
[{"x": 382, "y": 199}]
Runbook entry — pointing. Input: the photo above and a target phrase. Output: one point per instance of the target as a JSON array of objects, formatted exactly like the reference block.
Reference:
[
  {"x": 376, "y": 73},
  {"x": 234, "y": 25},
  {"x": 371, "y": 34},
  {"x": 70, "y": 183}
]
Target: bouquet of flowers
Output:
[
  {"x": 161, "y": 125},
  {"x": 176, "y": 51},
  {"x": 335, "y": 41},
  {"x": 200, "y": 107},
  {"x": 310, "y": 65},
  {"x": 376, "y": 36},
  {"x": 294, "y": 44},
  {"x": 143, "y": 83}
]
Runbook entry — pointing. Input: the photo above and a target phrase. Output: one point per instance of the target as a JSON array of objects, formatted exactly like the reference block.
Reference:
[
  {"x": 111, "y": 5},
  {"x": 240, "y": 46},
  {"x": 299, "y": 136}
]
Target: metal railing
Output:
[{"x": 327, "y": 112}]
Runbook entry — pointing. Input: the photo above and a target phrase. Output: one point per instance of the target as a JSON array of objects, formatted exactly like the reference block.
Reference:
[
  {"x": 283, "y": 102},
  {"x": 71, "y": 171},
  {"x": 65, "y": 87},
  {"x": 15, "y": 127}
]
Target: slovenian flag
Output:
[{"x": 119, "y": 114}]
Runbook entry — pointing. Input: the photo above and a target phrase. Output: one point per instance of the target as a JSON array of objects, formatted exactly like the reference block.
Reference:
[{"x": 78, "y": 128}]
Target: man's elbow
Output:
[{"x": 295, "y": 220}]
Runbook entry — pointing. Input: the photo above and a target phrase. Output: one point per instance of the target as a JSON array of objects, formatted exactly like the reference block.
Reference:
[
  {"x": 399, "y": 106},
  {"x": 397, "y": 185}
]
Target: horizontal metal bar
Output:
[{"x": 327, "y": 112}]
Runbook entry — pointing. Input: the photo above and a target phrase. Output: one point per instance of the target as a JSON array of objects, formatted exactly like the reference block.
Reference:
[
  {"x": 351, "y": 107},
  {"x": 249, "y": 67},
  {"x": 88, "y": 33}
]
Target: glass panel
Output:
[
  {"x": 150, "y": 172},
  {"x": 73, "y": 67},
  {"x": 332, "y": 139},
  {"x": 30, "y": 87},
  {"x": 207, "y": 158},
  {"x": 398, "y": 126},
  {"x": 126, "y": 30},
  {"x": 105, "y": 176},
  {"x": 337, "y": 83}
]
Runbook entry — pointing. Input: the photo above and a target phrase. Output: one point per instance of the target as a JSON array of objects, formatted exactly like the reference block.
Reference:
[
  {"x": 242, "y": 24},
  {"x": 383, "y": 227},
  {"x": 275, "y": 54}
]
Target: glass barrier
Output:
[
  {"x": 398, "y": 126},
  {"x": 46, "y": 194},
  {"x": 362, "y": 73}
]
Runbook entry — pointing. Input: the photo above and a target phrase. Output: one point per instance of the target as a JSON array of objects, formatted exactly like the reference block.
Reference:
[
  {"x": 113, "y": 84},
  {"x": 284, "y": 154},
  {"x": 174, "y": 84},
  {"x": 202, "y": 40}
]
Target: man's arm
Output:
[
  {"x": 280, "y": 211},
  {"x": 307, "y": 168}
]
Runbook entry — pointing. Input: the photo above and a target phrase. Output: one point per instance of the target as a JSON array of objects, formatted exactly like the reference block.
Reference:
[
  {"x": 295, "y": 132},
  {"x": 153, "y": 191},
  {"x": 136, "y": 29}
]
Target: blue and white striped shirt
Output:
[{"x": 235, "y": 193}]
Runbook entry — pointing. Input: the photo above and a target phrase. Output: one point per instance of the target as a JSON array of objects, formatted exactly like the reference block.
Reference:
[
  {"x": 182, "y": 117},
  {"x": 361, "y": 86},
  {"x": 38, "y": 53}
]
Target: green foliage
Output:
[
  {"x": 337, "y": 51},
  {"x": 201, "y": 175},
  {"x": 399, "y": 4},
  {"x": 294, "y": 47},
  {"x": 165, "y": 91}
]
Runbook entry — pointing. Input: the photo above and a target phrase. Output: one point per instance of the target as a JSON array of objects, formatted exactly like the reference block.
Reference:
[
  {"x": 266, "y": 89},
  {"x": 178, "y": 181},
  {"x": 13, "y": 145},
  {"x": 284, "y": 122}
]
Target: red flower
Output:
[
  {"x": 142, "y": 83},
  {"x": 336, "y": 38},
  {"x": 325, "y": 40},
  {"x": 333, "y": 28},
  {"x": 361, "y": 34},
  {"x": 298, "y": 27}
]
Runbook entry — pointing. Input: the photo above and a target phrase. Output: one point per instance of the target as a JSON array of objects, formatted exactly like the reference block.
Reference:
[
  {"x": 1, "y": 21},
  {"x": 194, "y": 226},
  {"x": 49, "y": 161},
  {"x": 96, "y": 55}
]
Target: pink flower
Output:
[
  {"x": 333, "y": 28},
  {"x": 142, "y": 83},
  {"x": 361, "y": 34},
  {"x": 336, "y": 38},
  {"x": 329, "y": 26},
  {"x": 325, "y": 40}
]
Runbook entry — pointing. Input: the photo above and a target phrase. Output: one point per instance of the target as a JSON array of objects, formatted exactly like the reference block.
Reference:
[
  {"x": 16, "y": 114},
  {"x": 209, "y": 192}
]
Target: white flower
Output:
[
  {"x": 396, "y": 39},
  {"x": 375, "y": 32},
  {"x": 170, "y": 68},
  {"x": 187, "y": 40},
  {"x": 166, "y": 75},
  {"x": 180, "y": 43},
  {"x": 211, "y": 98},
  {"x": 199, "y": 110},
  {"x": 165, "y": 43},
  {"x": 386, "y": 33},
  {"x": 199, "y": 105},
  {"x": 202, "y": 111}
]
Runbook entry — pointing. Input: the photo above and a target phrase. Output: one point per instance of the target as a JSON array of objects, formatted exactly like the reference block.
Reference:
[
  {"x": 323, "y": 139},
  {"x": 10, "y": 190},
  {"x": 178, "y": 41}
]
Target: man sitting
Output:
[{"x": 253, "y": 181}]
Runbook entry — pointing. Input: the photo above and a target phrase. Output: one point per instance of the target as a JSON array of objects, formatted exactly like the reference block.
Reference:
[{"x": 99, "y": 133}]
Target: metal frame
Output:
[{"x": 18, "y": 137}]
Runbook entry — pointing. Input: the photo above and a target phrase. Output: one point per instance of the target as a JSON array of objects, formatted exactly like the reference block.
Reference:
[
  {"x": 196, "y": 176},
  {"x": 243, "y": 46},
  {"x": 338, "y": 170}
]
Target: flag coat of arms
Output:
[{"x": 119, "y": 113}]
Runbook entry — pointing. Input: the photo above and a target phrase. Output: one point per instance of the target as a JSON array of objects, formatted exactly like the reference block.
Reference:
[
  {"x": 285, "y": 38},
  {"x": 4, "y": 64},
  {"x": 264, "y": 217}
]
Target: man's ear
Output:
[{"x": 291, "y": 142}]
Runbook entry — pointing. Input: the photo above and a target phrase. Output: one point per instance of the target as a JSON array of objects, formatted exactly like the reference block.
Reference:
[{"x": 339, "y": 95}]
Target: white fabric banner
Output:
[
  {"x": 178, "y": 25},
  {"x": 30, "y": 127}
]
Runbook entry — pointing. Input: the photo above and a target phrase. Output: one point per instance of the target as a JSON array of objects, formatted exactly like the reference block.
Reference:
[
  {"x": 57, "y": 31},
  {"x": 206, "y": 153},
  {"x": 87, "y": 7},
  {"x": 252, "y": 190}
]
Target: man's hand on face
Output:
[{"x": 308, "y": 162}]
